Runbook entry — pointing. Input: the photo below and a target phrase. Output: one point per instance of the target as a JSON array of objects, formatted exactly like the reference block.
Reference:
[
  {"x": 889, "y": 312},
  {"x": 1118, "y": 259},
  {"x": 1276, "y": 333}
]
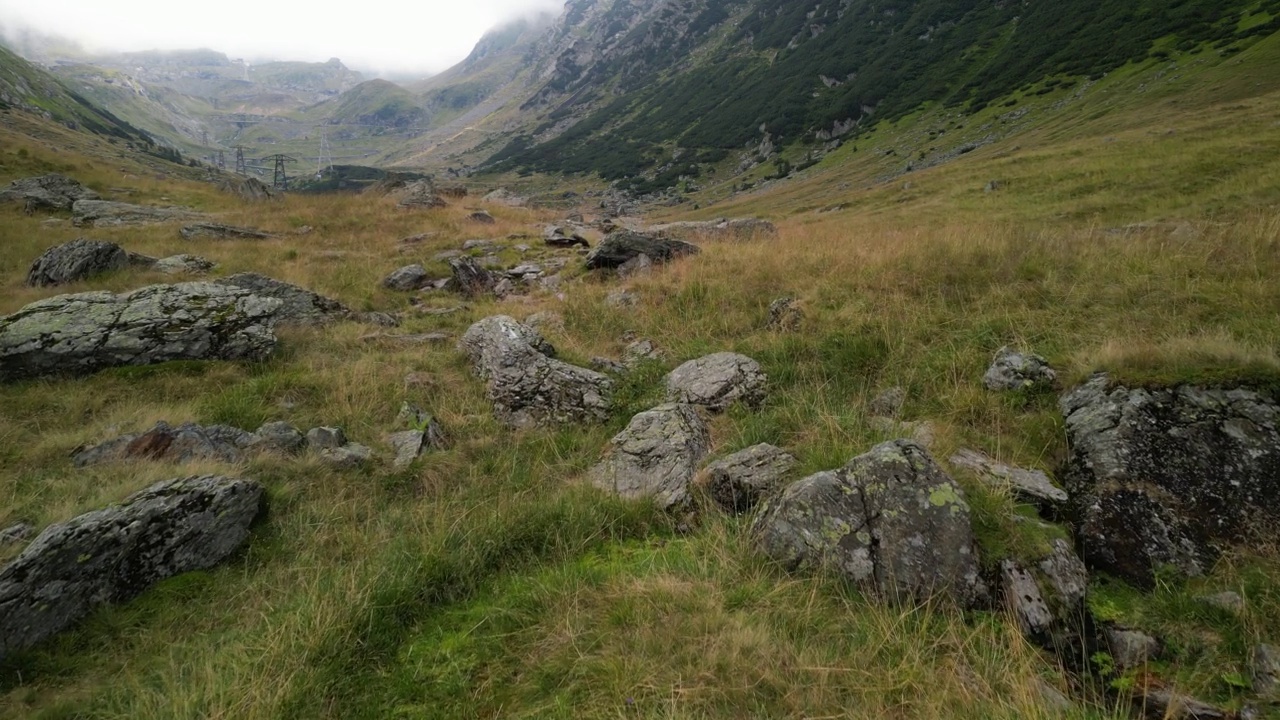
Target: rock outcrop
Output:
[
  {"x": 104, "y": 213},
  {"x": 218, "y": 231},
  {"x": 76, "y": 260},
  {"x": 86, "y": 332},
  {"x": 1169, "y": 476},
  {"x": 655, "y": 456},
  {"x": 183, "y": 264},
  {"x": 297, "y": 306},
  {"x": 1012, "y": 370},
  {"x": 47, "y": 192},
  {"x": 173, "y": 444},
  {"x": 1030, "y": 486},
  {"x": 623, "y": 245},
  {"x": 740, "y": 481},
  {"x": 526, "y": 386},
  {"x": 717, "y": 381},
  {"x": 891, "y": 521},
  {"x": 113, "y": 555},
  {"x": 418, "y": 195}
]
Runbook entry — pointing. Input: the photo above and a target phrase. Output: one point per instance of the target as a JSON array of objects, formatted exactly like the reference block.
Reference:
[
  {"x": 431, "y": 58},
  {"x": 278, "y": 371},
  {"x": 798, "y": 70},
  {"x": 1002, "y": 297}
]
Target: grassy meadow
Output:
[{"x": 486, "y": 581}]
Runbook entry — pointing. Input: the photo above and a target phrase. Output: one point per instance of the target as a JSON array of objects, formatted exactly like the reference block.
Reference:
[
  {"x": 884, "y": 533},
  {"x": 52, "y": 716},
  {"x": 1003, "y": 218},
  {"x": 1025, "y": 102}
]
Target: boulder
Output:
[
  {"x": 655, "y": 456},
  {"x": 1169, "y": 476},
  {"x": 171, "y": 444},
  {"x": 84, "y": 333},
  {"x": 418, "y": 195},
  {"x": 347, "y": 456},
  {"x": 470, "y": 279},
  {"x": 1012, "y": 370},
  {"x": 482, "y": 217},
  {"x": 278, "y": 436},
  {"x": 557, "y": 236},
  {"x": 506, "y": 197},
  {"x": 114, "y": 554},
  {"x": 104, "y": 213},
  {"x": 785, "y": 315},
  {"x": 409, "y": 277},
  {"x": 717, "y": 381},
  {"x": 622, "y": 245},
  {"x": 1030, "y": 486},
  {"x": 528, "y": 388},
  {"x": 637, "y": 266},
  {"x": 890, "y": 521},
  {"x": 622, "y": 298},
  {"x": 47, "y": 192},
  {"x": 1130, "y": 648},
  {"x": 218, "y": 231},
  {"x": 1164, "y": 703},
  {"x": 297, "y": 306},
  {"x": 740, "y": 481},
  {"x": 320, "y": 438},
  {"x": 75, "y": 261},
  {"x": 183, "y": 264},
  {"x": 640, "y": 351}
]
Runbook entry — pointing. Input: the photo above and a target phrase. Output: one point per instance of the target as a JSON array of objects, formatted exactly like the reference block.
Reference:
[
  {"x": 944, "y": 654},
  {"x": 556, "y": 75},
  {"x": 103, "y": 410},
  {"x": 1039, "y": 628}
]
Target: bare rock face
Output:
[
  {"x": 1012, "y": 370},
  {"x": 297, "y": 306},
  {"x": 717, "y": 381},
  {"x": 655, "y": 456},
  {"x": 104, "y": 213},
  {"x": 1169, "y": 476},
  {"x": 218, "y": 231},
  {"x": 77, "y": 260},
  {"x": 891, "y": 521},
  {"x": 527, "y": 387},
  {"x": 113, "y": 555},
  {"x": 740, "y": 481},
  {"x": 47, "y": 192},
  {"x": 623, "y": 245},
  {"x": 84, "y": 333}
]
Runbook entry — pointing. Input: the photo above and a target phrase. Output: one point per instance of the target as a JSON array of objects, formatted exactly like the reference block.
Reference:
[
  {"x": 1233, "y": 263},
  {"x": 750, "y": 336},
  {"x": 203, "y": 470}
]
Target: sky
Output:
[{"x": 380, "y": 36}]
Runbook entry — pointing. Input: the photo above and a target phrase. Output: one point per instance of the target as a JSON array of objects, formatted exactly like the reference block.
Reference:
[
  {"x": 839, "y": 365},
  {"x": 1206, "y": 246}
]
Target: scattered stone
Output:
[
  {"x": 891, "y": 521},
  {"x": 525, "y": 271},
  {"x": 620, "y": 246},
  {"x": 409, "y": 277},
  {"x": 1169, "y": 476},
  {"x": 740, "y": 481},
  {"x": 470, "y": 279},
  {"x": 1065, "y": 578},
  {"x": 16, "y": 533},
  {"x": 320, "y": 438},
  {"x": 1012, "y": 370},
  {"x": 87, "y": 332},
  {"x": 346, "y": 457},
  {"x": 548, "y": 319},
  {"x": 46, "y": 192},
  {"x": 1130, "y": 648},
  {"x": 1226, "y": 600},
  {"x": 419, "y": 239},
  {"x": 655, "y": 456},
  {"x": 622, "y": 298},
  {"x": 526, "y": 386},
  {"x": 183, "y": 443},
  {"x": 481, "y": 244},
  {"x": 557, "y": 236},
  {"x": 1031, "y": 486},
  {"x": 298, "y": 306},
  {"x": 183, "y": 264},
  {"x": 785, "y": 315},
  {"x": 482, "y": 217},
  {"x": 103, "y": 213},
  {"x": 75, "y": 261},
  {"x": 889, "y": 403},
  {"x": 446, "y": 255},
  {"x": 218, "y": 231},
  {"x": 992, "y": 186},
  {"x": 640, "y": 351},
  {"x": 376, "y": 318},
  {"x": 717, "y": 381},
  {"x": 1264, "y": 669},
  {"x": 278, "y": 436},
  {"x": 114, "y": 554},
  {"x": 437, "y": 312}
]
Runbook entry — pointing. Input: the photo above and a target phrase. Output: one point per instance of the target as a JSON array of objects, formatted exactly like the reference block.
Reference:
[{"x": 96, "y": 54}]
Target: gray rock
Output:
[
  {"x": 434, "y": 436},
  {"x": 470, "y": 279},
  {"x": 114, "y": 554},
  {"x": 104, "y": 213},
  {"x": 482, "y": 217},
  {"x": 75, "y": 261},
  {"x": 247, "y": 188},
  {"x": 1264, "y": 669},
  {"x": 278, "y": 436},
  {"x": 1064, "y": 578},
  {"x": 638, "y": 265},
  {"x": 620, "y": 246},
  {"x": 1131, "y": 648},
  {"x": 622, "y": 298},
  {"x": 1032, "y": 486},
  {"x": 349, "y": 456},
  {"x": 717, "y": 381},
  {"x": 1162, "y": 703},
  {"x": 655, "y": 456},
  {"x": 525, "y": 271},
  {"x": 740, "y": 481},
  {"x": 1226, "y": 600},
  {"x": 408, "y": 446},
  {"x": 445, "y": 255},
  {"x": 482, "y": 244},
  {"x": 605, "y": 365},
  {"x": 84, "y": 333},
  {"x": 891, "y": 521},
  {"x": 418, "y": 195},
  {"x": 298, "y": 306},
  {"x": 218, "y": 231},
  {"x": 184, "y": 265},
  {"x": 319, "y": 438},
  {"x": 640, "y": 351},
  {"x": 1022, "y": 594},
  {"x": 785, "y": 315},
  {"x": 528, "y": 388},
  {"x": 922, "y": 431},
  {"x": 889, "y": 403},
  {"x": 409, "y": 277},
  {"x": 1169, "y": 476},
  {"x": 46, "y": 192},
  {"x": 16, "y": 533},
  {"x": 163, "y": 442},
  {"x": 1012, "y": 370}
]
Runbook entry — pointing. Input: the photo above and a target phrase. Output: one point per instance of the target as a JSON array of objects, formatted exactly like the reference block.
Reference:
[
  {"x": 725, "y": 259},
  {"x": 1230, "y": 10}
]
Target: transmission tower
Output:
[
  {"x": 240, "y": 166},
  {"x": 325, "y": 160},
  {"x": 204, "y": 138},
  {"x": 220, "y": 159},
  {"x": 279, "y": 180}
]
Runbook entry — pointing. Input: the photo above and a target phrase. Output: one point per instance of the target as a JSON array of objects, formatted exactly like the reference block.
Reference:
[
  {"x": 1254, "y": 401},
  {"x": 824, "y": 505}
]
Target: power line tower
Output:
[
  {"x": 240, "y": 164},
  {"x": 325, "y": 159},
  {"x": 204, "y": 138},
  {"x": 220, "y": 159},
  {"x": 279, "y": 180}
]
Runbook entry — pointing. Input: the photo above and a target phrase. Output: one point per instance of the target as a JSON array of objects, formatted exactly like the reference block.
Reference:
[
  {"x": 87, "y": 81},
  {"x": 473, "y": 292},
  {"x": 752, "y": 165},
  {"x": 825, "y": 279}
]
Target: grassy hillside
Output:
[{"x": 1136, "y": 232}]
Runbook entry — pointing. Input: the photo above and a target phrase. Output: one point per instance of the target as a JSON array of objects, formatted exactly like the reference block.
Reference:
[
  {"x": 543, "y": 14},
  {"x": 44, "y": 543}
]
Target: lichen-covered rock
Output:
[
  {"x": 655, "y": 456},
  {"x": 891, "y": 521},
  {"x": 785, "y": 315},
  {"x": 219, "y": 231},
  {"x": 16, "y": 533},
  {"x": 114, "y": 554},
  {"x": 1169, "y": 476},
  {"x": 409, "y": 277},
  {"x": 84, "y": 333},
  {"x": 717, "y": 381},
  {"x": 47, "y": 192},
  {"x": 75, "y": 261},
  {"x": 619, "y": 247},
  {"x": 183, "y": 443},
  {"x": 278, "y": 436},
  {"x": 1012, "y": 370},
  {"x": 527, "y": 387},
  {"x": 1047, "y": 596},
  {"x": 298, "y": 306},
  {"x": 183, "y": 264},
  {"x": 104, "y": 213},
  {"x": 737, "y": 483}
]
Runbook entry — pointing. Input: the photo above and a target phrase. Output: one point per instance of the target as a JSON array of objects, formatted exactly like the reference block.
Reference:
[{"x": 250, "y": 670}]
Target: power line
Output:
[{"x": 279, "y": 180}]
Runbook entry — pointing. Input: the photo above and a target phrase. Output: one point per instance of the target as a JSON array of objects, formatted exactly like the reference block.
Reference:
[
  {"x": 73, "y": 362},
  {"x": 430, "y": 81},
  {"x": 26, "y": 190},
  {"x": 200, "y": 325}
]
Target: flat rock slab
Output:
[
  {"x": 655, "y": 456},
  {"x": 218, "y": 231},
  {"x": 409, "y": 277},
  {"x": 1031, "y": 486},
  {"x": 173, "y": 444},
  {"x": 740, "y": 481},
  {"x": 298, "y": 306},
  {"x": 47, "y": 192},
  {"x": 113, "y": 555},
  {"x": 717, "y": 381},
  {"x": 76, "y": 260},
  {"x": 104, "y": 213},
  {"x": 86, "y": 332}
]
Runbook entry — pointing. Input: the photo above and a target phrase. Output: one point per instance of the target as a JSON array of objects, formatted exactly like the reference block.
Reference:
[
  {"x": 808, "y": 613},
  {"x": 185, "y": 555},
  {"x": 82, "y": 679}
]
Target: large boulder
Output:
[
  {"x": 104, "y": 213},
  {"x": 717, "y": 381},
  {"x": 1169, "y": 476},
  {"x": 527, "y": 387},
  {"x": 620, "y": 246},
  {"x": 114, "y": 554},
  {"x": 86, "y": 332},
  {"x": 655, "y": 456},
  {"x": 298, "y": 306},
  {"x": 47, "y": 192},
  {"x": 76, "y": 260},
  {"x": 740, "y": 481},
  {"x": 891, "y": 521},
  {"x": 173, "y": 444}
]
